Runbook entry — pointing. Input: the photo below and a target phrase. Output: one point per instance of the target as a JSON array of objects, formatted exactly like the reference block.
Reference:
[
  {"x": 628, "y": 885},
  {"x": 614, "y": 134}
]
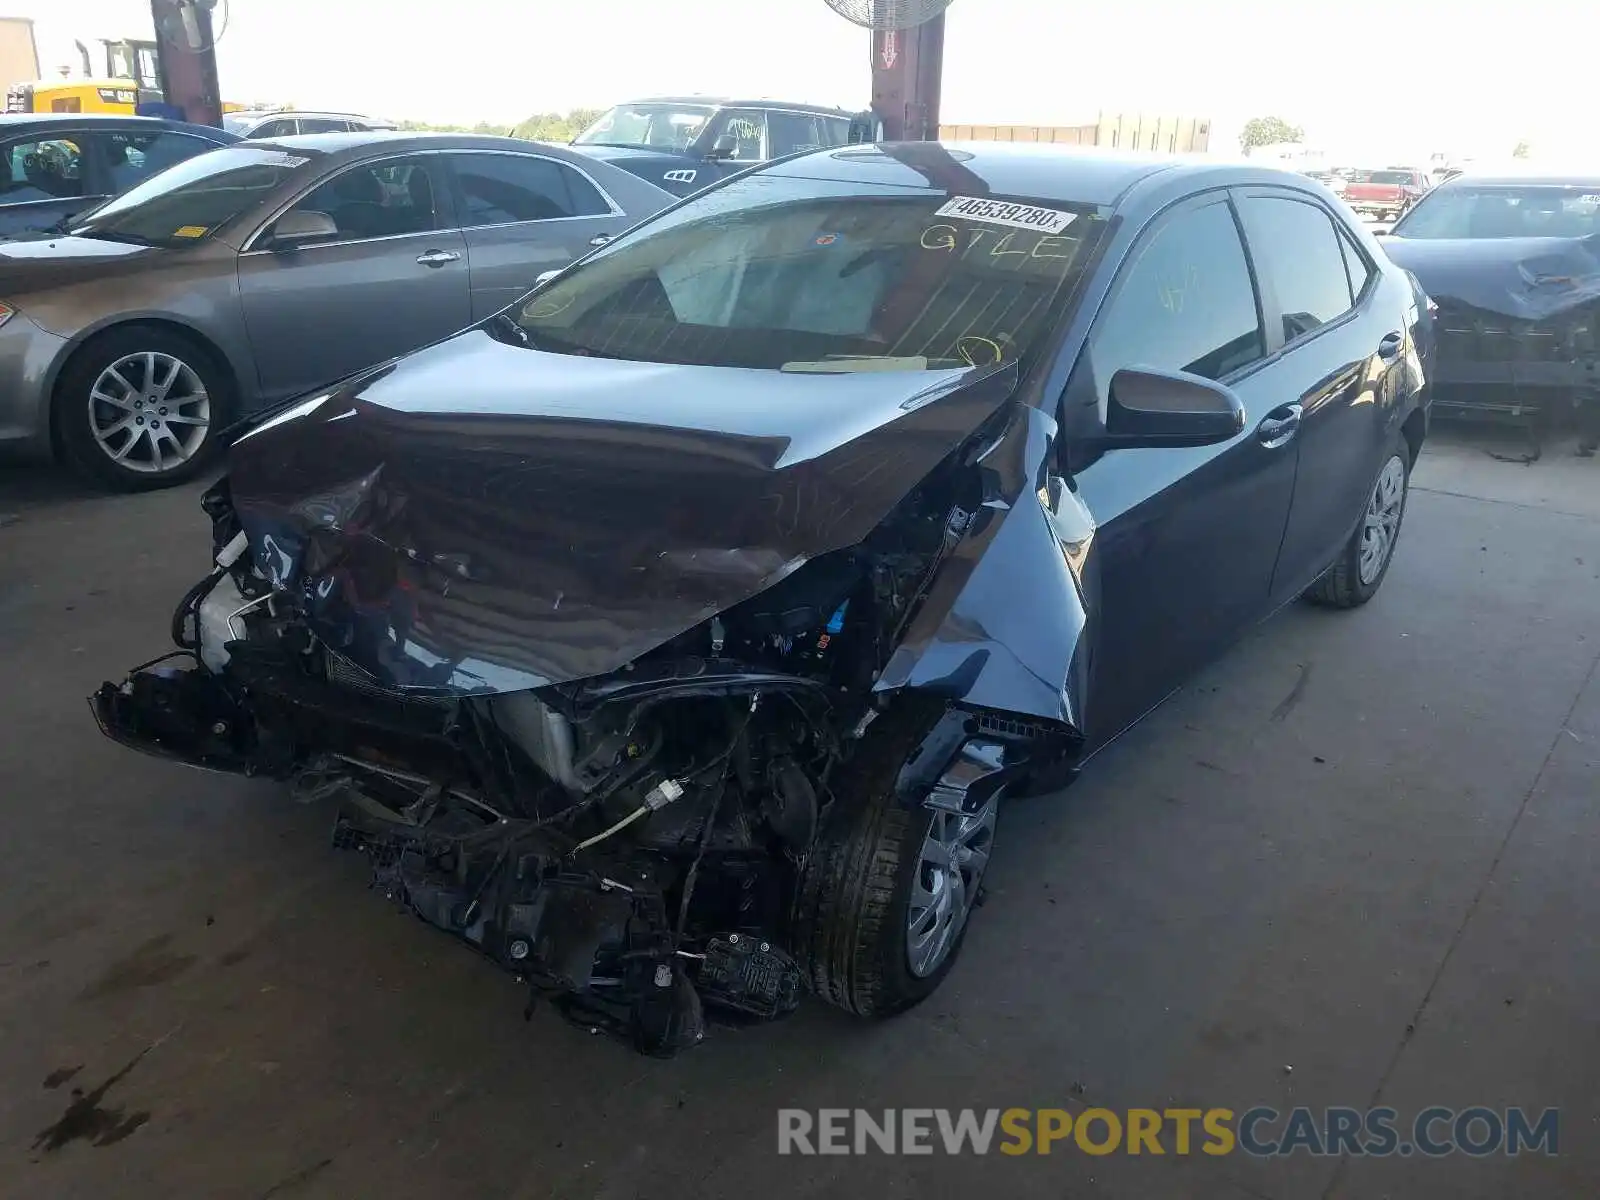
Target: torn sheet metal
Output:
[{"x": 982, "y": 640}]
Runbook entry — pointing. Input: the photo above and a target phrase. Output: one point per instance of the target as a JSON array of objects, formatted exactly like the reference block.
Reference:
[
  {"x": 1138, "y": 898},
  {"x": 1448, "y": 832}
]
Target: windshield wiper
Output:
[
  {"x": 509, "y": 327},
  {"x": 850, "y": 364}
]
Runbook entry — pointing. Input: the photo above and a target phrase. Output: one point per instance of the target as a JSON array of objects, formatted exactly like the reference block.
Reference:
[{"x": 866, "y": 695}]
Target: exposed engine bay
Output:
[
  {"x": 677, "y": 705},
  {"x": 635, "y": 846}
]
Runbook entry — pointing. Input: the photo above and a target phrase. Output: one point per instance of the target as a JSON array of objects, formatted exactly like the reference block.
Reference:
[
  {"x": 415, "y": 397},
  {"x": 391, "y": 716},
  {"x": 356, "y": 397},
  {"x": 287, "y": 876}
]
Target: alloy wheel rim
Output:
[
  {"x": 950, "y": 869},
  {"x": 1381, "y": 526},
  {"x": 149, "y": 412}
]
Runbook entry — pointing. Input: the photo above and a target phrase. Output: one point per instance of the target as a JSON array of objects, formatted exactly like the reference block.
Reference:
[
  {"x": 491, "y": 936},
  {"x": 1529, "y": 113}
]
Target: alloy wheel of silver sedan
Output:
[
  {"x": 1381, "y": 526},
  {"x": 149, "y": 412},
  {"x": 950, "y": 870}
]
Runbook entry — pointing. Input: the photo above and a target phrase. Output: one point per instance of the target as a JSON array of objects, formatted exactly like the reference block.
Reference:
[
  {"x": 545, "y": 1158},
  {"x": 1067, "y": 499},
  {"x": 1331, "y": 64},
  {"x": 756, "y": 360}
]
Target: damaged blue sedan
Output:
[{"x": 674, "y": 636}]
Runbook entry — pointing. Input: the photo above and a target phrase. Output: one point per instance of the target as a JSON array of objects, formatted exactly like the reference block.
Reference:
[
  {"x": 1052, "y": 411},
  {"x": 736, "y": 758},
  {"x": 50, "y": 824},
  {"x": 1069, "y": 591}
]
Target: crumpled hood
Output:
[
  {"x": 1529, "y": 279},
  {"x": 482, "y": 517}
]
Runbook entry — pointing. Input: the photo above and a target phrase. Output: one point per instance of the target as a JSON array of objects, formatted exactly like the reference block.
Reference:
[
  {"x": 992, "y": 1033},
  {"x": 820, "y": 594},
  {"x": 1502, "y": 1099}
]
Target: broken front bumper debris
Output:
[{"x": 641, "y": 808}]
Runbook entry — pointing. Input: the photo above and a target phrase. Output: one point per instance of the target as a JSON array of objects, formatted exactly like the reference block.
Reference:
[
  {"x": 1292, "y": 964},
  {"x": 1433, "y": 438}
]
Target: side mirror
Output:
[
  {"x": 1150, "y": 408},
  {"x": 296, "y": 228},
  {"x": 545, "y": 277},
  {"x": 725, "y": 146}
]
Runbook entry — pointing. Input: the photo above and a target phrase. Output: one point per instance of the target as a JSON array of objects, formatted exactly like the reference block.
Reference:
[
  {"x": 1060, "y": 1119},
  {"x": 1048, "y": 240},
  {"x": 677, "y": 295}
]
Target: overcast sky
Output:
[{"x": 1360, "y": 75}]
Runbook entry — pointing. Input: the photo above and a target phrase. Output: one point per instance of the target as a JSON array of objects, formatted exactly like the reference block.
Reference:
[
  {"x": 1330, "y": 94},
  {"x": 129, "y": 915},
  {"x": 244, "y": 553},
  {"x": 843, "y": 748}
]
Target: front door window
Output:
[
  {"x": 387, "y": 199},
  {"x": 743, "y": 135},
  {"x": 40, "y": 170}
]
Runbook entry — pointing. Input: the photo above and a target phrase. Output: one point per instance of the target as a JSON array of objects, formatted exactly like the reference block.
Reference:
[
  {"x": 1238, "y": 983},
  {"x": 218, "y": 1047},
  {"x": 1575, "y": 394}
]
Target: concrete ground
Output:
[{"x": 1353, "y": 864}]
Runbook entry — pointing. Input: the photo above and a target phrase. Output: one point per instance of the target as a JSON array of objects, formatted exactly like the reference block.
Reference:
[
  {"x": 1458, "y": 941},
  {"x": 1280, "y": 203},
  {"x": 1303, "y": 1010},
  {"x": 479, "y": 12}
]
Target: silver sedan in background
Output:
[{"x": 260, "y": 271}]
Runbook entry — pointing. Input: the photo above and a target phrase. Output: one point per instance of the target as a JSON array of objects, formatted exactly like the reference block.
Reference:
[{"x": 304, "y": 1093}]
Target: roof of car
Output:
[
  {"x": 1074, "y": 174},
  {"x": 744, "y": 102},
  {"x": 48, "y": 121},
  {"x": 406, "y": 139},
  {"x": 261, "y": 114},
  {"x": 1515, "y": 178}
]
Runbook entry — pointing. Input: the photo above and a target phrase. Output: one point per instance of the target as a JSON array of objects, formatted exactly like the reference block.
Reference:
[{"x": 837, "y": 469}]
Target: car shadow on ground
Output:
[
  {"x": 30, "y": 484},
  {"x": 25, "y": 486},
  {"x": 1508, "y": 441}
]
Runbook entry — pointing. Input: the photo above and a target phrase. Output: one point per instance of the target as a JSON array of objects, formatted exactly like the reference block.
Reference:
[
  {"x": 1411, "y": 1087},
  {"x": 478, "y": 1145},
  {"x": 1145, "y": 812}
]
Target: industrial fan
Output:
[
  {"x": 888, "y": 14},
  {"x": 907, "y": 61}
]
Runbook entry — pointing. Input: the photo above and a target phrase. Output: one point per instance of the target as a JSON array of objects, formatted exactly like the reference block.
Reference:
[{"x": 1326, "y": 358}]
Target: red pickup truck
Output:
[{"x": 1385, "y": 194}]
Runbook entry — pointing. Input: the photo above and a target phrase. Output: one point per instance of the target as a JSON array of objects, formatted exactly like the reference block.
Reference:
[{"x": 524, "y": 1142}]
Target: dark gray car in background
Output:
[
  {"x": 54, "y": 166},
  {"x": 267, "y": 269},
  {"x": 272, "y": 124},
  {"x": 687, "y": 143}
]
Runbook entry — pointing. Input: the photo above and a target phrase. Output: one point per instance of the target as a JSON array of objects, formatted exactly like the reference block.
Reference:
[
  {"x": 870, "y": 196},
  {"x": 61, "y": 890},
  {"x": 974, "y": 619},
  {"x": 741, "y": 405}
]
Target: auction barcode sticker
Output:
[{"x": 1000, "y": 212}]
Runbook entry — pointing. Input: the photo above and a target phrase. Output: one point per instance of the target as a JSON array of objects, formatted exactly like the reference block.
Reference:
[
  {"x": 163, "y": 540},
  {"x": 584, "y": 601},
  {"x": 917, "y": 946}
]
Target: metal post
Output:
[
  {"x": 187, "y": 58},
  {"x": 907, "y": 65}
]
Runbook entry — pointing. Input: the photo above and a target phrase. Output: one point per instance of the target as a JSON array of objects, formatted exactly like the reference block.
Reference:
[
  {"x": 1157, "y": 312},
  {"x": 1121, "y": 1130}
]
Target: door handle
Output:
[
  {"x": 601, "y": 239},
  {"x": 1279, "y": 426},
  {"x": 437, "y": 258},
  {"x": 1389, "y": 345}
]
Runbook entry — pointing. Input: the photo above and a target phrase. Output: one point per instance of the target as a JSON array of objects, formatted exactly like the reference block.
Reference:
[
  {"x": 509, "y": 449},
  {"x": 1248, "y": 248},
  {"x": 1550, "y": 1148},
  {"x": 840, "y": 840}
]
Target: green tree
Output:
[
  {"x": 541, "y": 127},
  {"x": 557, "y": 127},
  {"x": 1521, "y": 150},
  {"x": 482, "y": 127},
  {"x": 1268, "y": 131}
]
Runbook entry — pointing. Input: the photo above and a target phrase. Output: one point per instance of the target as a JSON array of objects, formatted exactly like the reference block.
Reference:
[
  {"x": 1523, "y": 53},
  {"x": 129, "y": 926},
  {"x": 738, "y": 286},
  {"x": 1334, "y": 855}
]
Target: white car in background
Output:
[
  {"x": 1331, "y": 180},
  {"x": 277, "y": 123}
]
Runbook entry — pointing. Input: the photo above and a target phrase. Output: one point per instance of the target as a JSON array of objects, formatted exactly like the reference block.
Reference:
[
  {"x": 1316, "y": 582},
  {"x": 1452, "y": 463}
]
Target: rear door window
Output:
[
  {"x": 132, "y": 158},
  {"x": 41, "y": 169},
  {"x": 1298, "y": 260},
  {"x": 324, "y": 125},
  {"x": 586, "y": 198},
  {"x": 791, "y": 133},
  {"x": 282, "y": 127},
  {"x": 504, "y": 189},
  {"x": 835, "y": 130}
]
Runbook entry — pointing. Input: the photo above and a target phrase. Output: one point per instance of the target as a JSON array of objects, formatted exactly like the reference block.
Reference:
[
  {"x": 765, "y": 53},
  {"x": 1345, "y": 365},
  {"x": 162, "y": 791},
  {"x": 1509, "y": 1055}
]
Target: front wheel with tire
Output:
[
  {"x": 138, "y": 408},
  {"x": 884, "y": 900},
  {"x": 1358, "y": 572}
]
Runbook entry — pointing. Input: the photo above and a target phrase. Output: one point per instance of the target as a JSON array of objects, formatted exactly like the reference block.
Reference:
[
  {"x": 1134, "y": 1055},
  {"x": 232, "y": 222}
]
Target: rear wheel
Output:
[
  {"x": 1358, "y": 572},
  {"x": 885, "y": 899},
  {"x": 138, "y": 408}
]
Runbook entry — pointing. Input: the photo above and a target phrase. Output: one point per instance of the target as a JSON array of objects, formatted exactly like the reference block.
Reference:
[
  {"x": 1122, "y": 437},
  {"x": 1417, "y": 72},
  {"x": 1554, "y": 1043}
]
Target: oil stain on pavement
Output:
[
  {"x": 151, "y": 963},
  {"x": 86, "y": 1119}
]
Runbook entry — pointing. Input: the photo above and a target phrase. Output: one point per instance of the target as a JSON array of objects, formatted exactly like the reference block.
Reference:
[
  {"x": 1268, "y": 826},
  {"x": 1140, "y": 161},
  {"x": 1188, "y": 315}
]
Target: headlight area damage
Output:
[
  {"x": 1517, "y": 329},
  {"x": 611, "y": 698}
]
